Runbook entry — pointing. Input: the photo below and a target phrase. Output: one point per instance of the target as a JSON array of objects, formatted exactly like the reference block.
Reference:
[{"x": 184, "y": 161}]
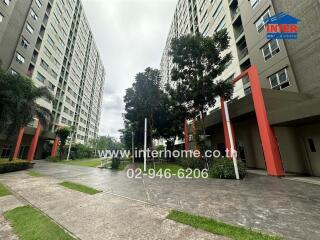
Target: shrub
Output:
[
  {"x": 115, "y": 164},
  {"x": 81, "y": 151},
  {"x": 193, "y": 163},
  {"x": 15, "y": 165},
  {"x": 223, "y": 168}
]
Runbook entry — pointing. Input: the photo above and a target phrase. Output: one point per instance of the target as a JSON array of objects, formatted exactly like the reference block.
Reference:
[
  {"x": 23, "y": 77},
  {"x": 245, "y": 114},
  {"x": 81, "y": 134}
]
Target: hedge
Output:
[
  {"x": 15, "y": 165},
  {"x": 223, "y": 168}
]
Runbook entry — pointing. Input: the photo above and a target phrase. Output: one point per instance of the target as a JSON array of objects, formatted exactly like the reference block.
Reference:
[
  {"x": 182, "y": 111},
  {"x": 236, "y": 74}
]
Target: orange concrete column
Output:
[
  {"x": 267, "y": 135},
  {"x": 55, "y": 147},
  {"x": 186, "y": 135},
  {"x": 19, "y": 139},
  {"x": 34, "y": 143}
]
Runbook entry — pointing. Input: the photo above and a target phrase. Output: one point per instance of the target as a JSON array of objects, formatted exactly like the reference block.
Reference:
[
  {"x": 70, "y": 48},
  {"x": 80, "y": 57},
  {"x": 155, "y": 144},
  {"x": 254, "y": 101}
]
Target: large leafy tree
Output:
[
  {"x": 198, "y": 60},
  {"x": 142, "y": 101},
  {"x": 64, "y": 133},
  {"x": 170, "y": 117},
  {"x": 18, "y": 104}
]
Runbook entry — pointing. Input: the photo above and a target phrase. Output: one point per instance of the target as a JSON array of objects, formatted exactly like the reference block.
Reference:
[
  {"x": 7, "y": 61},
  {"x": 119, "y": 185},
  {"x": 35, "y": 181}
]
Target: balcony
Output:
[
  {"x": 243, "y": 53},
  {"x": 238, "y": 32},
  {"x": 235, "y": 13},
  {"x": 233, "y": 3}
]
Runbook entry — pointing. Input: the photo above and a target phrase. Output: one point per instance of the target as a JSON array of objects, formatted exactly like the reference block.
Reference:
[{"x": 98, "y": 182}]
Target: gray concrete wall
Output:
[
  {"x": 291, "y": 149},
  {"x": 14, "y": 20},
  {"x": 311, "y": 131},
  {"x": 256, "y": 40},
  {"x": 304, "y": 53}
]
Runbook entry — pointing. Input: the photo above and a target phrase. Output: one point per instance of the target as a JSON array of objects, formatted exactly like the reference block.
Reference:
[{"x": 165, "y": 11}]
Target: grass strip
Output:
[
  {"x": 35, "y": 174},
  {"x": 30, "y": 224},
  {"x": 84, "y": 162},
  {"x": 4, "y": 191},
  {"x": 80, "y": 188},
  {"x": 219, "y": 228}
]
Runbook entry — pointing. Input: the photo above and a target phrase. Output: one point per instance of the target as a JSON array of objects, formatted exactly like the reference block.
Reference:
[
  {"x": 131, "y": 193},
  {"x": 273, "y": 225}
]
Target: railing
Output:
[
  {"x": 243, "y": 53},
  {"x": 234, "y": 13},
  {"x": 238, "y": 31}
]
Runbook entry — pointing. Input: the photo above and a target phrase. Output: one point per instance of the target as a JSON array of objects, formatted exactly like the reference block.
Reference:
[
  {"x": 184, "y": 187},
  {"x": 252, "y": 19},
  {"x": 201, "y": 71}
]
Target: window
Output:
[
  {"x": 54, "y": 74},
  {"x": 13, "y": 72},
  {"x": 51, "y": 86},
  {"x": 221, "y": 25},
  {"x": 24, "y": 43},
  {"x": 44, "y": 64},
  {"x": 34, "y": 15},
  {"x": 50, "y": 41},
  {"x": 39, "y": 4},
  {"x": 29, "y": 28},
  {"x": 254, "y": 2},
  {"x": 312, "y": 146},
  {"x": 47, "y": 52},
  {"x": 7, "y": 2},
  {"x": 260, "y": 22},
  {"x": 217, "y": 11},
  {"x": 270, "y": 49},
  {"x": 40, "y": 77},
  {"x": 1, "y": 17},
  {"x": 19, "y": 58},
  {"x": 279, "y": 80}
]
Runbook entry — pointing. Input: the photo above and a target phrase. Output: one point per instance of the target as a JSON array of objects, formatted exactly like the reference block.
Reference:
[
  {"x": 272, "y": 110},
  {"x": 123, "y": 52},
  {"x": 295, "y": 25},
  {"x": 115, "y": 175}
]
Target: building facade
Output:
[
  {"x": 288, "y": 77},
  {"x": 51, "y": 42}
]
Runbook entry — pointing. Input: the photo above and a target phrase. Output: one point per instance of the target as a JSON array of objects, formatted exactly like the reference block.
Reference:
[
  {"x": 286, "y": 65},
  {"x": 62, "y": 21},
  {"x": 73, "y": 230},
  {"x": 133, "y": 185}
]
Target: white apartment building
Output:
[{"x": 54, "y": 45}]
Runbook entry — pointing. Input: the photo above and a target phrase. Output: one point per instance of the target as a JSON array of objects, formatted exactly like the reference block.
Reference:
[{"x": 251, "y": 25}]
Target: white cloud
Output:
[{"x": 130, "y": 35}]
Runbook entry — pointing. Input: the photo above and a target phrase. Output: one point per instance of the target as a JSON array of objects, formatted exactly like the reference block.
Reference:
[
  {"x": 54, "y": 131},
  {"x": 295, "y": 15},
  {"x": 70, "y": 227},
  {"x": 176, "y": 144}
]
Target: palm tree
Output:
[{"x": 18, "y": 104}]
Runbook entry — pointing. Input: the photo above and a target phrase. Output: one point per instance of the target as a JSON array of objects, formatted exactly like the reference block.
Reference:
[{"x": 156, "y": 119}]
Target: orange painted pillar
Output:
[
  {"x": 34, "y": 143},
  {"x": 55, "y": 147},
  {"x": 267, "y": 135},
  {"x": 19, "y": 140},
  {"x": 186, "y": 135}
]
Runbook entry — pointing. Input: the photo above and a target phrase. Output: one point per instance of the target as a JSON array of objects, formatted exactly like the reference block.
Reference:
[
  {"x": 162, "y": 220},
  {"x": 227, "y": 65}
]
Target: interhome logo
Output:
[{"x": 282, "y": 26}]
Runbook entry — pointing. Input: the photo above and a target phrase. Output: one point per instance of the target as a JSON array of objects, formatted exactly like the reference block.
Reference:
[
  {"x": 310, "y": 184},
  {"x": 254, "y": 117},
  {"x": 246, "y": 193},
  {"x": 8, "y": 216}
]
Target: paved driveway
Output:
[{"x": 274, "y": 205}]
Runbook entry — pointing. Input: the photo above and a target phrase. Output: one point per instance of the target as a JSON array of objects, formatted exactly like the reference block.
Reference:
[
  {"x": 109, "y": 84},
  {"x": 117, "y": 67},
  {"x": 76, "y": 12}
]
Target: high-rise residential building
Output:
[
  {"x": 287, "y": 72},
  {"x": 51, "y": 42}
]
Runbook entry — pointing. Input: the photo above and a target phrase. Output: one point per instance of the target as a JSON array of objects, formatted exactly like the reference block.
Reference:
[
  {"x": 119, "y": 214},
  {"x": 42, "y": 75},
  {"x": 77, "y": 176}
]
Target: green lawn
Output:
[
  {"x": 80, "y": 188},
  {"x": 35, "y": 174},
  {"x": 30, "y": 224},
  {"x": 4, "y": 191},
  {"x": 174, "y": 168},
  {"x": 84, "y": 162},
  {"x": 219, "y": 228}
]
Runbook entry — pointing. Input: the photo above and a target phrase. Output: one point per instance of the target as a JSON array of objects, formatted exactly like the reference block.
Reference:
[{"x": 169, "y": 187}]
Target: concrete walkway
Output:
[
  {"x": 102, "y": 216},
  {"x": 272, "y": 205}
]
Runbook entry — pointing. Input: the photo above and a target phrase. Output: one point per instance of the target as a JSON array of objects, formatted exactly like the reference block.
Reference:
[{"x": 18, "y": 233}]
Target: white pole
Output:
[
  {"x": 132, "y": 147},
  {"x": 230, "y": 135},
  {"x": 145, "y": 146},
  {"x": 69, "y": 147}
]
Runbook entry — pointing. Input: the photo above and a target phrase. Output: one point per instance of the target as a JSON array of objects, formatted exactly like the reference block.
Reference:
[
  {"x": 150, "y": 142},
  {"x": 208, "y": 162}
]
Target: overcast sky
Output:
[{"x": 131, "y": 36}]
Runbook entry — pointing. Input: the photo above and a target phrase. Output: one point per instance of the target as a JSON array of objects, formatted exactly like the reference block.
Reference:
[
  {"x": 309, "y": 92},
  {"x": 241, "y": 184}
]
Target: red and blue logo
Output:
[{"x": 282, "y": 26}]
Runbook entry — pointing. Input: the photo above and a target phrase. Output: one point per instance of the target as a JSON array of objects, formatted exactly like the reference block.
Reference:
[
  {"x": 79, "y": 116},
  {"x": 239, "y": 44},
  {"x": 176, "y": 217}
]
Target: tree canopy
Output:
[
  {"x": 198, "y": 61},
  {"x": 18, "y": 104}
]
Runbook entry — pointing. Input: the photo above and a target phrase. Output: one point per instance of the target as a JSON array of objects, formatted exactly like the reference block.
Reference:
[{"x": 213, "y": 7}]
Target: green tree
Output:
[
  {"x": 198, "y": 60},
  {"x": 18, "y": 104},
  {"x": 142, "y": 101},
  {"x": 170, "y": 118},
  {"x": 63, "y": 134}
]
